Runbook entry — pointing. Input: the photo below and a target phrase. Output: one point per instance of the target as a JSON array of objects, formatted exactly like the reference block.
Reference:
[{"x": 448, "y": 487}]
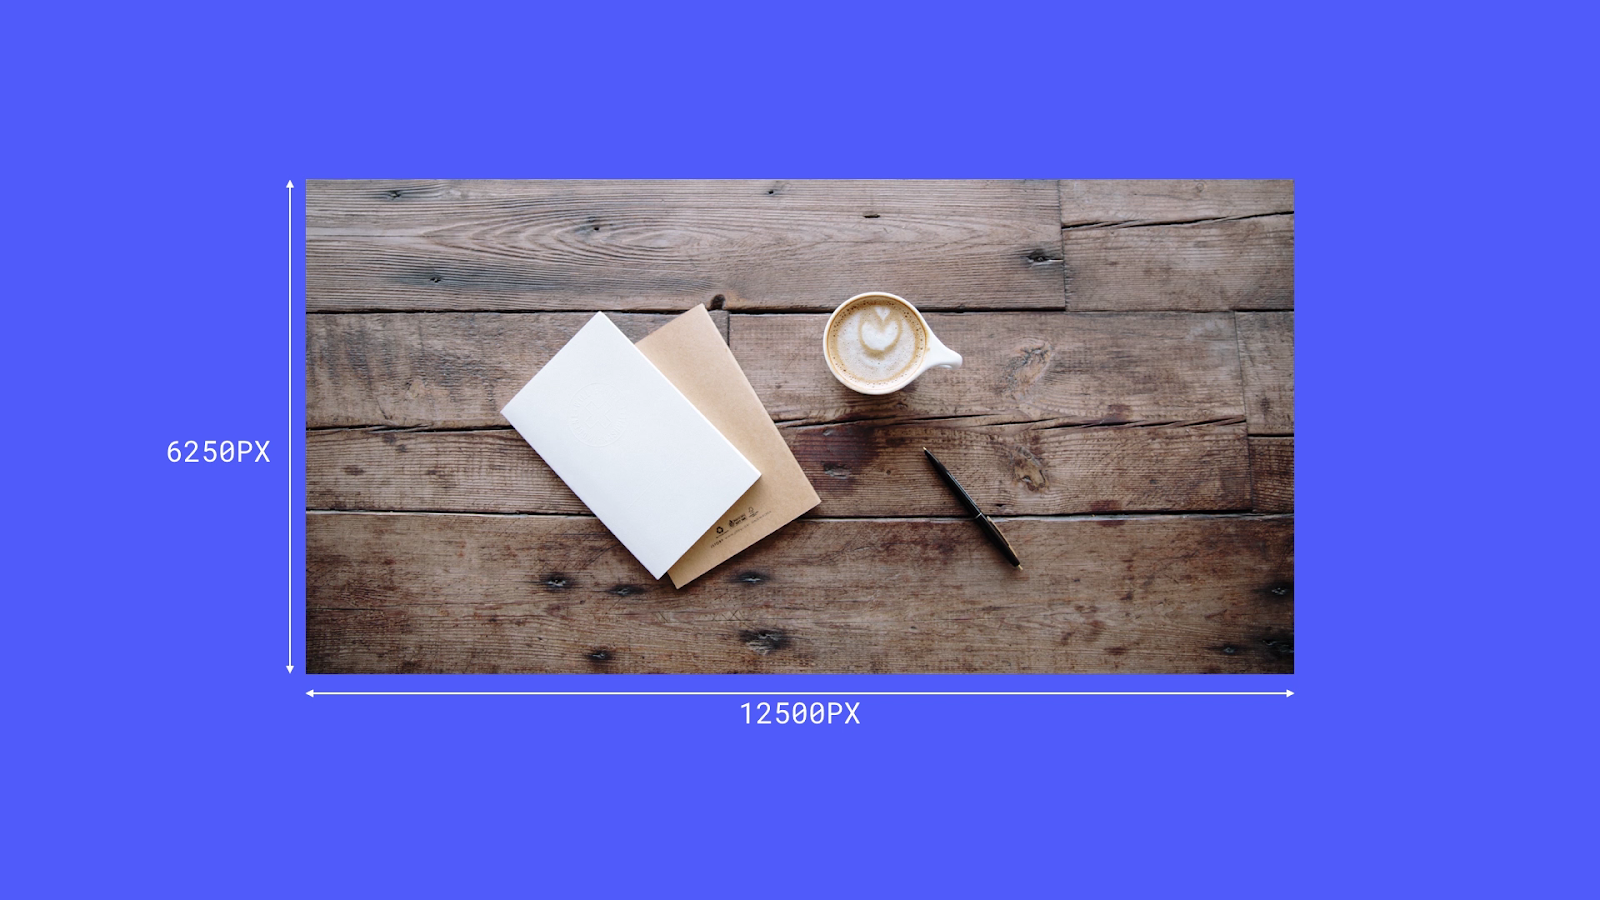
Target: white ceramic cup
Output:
[{"x": 878, "y": 323}]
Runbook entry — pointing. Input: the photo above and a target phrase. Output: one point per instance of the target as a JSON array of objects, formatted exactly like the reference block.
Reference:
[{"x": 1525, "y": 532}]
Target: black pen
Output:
[{"x": 984, "y": 522}]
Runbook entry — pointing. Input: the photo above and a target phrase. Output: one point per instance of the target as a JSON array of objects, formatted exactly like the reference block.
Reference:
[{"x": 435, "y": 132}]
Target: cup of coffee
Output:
[{"x": 878, "y": 343}]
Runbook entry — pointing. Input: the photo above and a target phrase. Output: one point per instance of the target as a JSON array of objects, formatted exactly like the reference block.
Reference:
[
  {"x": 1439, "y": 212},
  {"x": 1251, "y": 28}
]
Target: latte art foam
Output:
[{"x": 876, "y": 341}]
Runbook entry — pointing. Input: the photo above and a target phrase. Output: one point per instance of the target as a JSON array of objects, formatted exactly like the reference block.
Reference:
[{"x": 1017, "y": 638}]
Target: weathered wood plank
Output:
[
  {"x": 1266, "y": 353},
  {"x": 440, "y": 370},
  {"x": 456, "y": 370},
  {"x": 1272, "y": 474},
  {"x": 456, "y": 471},
  {"x": 1214, "y": 265},
  {"x": 1162, "y": 200},
  {"x": 562, "y": 245},
  {"x": 1018, "y": 366},
  {"x": 873, "y": 469},
  {"x": 449, "y": 593},
  {"x": 859, "y": 469}
]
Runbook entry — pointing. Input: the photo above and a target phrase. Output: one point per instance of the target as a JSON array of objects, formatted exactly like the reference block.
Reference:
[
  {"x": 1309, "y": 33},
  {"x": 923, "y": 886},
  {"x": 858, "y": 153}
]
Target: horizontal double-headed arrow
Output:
[{"x": 314, "y": 693}]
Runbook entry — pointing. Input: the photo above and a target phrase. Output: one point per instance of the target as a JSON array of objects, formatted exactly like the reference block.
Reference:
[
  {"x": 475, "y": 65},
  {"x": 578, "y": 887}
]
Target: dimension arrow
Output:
[
  {"x": 290, "y": 442},
  {"x": 315, "y": 693}
]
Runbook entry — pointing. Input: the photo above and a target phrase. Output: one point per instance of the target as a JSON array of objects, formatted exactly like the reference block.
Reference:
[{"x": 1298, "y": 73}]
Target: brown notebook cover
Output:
[{"x": 690, "y": 351}]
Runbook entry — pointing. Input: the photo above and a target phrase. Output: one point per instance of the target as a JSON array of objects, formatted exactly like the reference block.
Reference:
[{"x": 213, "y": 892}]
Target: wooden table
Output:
[{"x": 1126, "y": 409}]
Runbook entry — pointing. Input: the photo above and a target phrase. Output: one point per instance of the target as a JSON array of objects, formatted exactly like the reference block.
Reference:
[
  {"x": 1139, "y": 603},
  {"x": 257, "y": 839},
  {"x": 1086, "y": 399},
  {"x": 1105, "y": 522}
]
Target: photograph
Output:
[{"x": 747, "y": 426}]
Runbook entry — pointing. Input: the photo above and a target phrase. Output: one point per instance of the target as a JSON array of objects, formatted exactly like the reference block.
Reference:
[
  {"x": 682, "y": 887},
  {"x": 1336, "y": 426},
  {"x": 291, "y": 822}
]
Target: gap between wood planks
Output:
[
  {"x": 1075, "y": 517},
  {"x": 1000, "y": 420},
  {"x": 1152, "y": 223},
  {"x": 887, "y": 422},
  {"x": 669, "y": 310},
  {"x": 789, "y": 311}
]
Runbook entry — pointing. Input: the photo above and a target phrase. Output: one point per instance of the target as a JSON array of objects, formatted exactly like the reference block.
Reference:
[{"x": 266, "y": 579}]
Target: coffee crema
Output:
[{"x": 876, "y": 341}]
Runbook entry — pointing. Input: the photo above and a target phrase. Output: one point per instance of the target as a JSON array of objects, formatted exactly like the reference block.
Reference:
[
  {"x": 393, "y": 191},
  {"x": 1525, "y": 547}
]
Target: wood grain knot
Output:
[
  {"x": 764, "y": 641},
  {"x": 626, "y": 590},
  {"x": 1028, "y": 470},
  {"x": 1279, "y": 644},
  {"x": 557, "y": 582},
  {"x": 1026, "y": 368},
  {"x": 752, "y": 577}
]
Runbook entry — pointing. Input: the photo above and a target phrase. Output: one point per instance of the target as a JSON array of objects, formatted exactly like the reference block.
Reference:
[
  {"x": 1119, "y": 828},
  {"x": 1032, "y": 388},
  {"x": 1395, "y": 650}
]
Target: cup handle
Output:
[{"x": 940, "y": 356}]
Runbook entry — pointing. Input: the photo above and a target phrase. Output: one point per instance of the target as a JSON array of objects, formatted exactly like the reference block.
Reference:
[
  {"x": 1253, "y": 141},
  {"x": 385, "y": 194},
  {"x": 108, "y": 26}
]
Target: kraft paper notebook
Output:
[
  {"x": 644, "y": 460},
  {"x": 691, "y": 353}
]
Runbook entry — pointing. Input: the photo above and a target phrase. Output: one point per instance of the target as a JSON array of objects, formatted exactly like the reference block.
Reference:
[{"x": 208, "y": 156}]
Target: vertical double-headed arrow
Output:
[{"x": 290, "y": 442}]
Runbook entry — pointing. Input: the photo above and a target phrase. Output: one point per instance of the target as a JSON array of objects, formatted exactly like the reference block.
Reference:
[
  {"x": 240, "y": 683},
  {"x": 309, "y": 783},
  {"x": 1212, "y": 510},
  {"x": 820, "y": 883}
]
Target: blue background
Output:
[{"x": 1437, "y": 742}]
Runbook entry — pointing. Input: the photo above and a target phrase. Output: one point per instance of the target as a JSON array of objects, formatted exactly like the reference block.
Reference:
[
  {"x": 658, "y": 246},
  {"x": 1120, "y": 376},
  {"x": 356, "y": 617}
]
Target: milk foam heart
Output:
[
  {"x": 880, "y": 329},
  {"x": 876, "y": 341}
]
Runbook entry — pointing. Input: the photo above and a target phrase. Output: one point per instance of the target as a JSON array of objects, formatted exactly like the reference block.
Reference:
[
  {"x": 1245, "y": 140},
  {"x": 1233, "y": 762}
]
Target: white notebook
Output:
[{"x": 635, "y": 451}]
